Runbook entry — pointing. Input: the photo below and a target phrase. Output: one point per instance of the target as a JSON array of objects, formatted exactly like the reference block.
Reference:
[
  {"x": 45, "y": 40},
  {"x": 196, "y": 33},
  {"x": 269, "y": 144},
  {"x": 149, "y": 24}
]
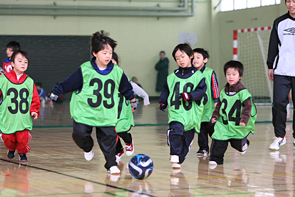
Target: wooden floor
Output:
[{"x": 57, "y": 167}]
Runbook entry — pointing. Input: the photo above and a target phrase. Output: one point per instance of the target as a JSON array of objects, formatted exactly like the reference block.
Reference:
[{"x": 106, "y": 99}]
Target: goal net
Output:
[{"x": 250, "y": 48}]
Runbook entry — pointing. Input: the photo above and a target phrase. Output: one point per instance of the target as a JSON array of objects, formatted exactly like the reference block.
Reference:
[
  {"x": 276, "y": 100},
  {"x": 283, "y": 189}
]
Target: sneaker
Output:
[
  {"x": 294, "y": 143},
  {"x": 212, "y": 165},
  {"x": 176, "y": 166},
  {"x": 89, "y": 155},
  {"x": 202, "y": 153},
  {"x": 129, "y": 149},
  {"x": 174, "y": 159},
  {"x": 22, "y": 157},
  {"x": 277, "y": 143},
  {"x": 10, "y": 154},
  {"x": 114, "y": 170},
  {"x": 244, "y": 149},
  {"x": 119, "y": 156}
]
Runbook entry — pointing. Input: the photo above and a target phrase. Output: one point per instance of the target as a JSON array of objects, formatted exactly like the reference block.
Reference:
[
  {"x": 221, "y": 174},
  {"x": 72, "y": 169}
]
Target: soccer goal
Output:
[{"x": 250, "y": 46}]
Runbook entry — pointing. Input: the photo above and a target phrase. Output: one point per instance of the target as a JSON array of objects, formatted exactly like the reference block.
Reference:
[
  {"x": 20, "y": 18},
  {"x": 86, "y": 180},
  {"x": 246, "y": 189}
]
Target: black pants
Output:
[
  {"x": 281, "y": 88},
  {"x": 218, "y": 148},
  {"x": 179, "y": 140},
  {"x": 106, "y": 138},
  {"x": 127, "y": 138},
  {"x": 206, "y": 129}
]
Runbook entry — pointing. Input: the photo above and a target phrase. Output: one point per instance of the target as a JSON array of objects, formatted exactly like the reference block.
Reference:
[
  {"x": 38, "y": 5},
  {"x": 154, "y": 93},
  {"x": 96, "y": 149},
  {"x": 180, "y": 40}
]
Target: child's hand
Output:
[
  {"x": 213, "y": 120},
  {"x": 242, "y": 124},
  {"x": 34, "y": 115},
  {"x": 162, "y": 106}
]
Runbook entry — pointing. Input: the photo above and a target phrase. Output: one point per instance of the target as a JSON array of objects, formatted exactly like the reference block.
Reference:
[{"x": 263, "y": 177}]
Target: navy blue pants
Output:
[
  {"x": 281, "y": 88},
  {"x": 206, "y": 129},
  {"x": 106, "y": 138},
  {"x": 179, "y": 140},
  {"x": 218, "y": 148}
]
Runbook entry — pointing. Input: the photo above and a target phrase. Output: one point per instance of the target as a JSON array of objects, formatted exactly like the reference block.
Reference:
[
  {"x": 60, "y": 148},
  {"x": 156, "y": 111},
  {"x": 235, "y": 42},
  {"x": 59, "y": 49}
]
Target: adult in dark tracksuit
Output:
[{"x": 281, "y": 65}]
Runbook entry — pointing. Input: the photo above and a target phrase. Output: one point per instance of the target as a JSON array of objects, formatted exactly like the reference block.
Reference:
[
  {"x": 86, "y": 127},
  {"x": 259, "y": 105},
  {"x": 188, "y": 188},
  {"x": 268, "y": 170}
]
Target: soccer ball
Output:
[{"x": 141, "y": 166}]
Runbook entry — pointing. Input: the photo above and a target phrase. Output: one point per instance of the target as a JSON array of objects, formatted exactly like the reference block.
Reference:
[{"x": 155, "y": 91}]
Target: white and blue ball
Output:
[{"x": 141, "y": 166}]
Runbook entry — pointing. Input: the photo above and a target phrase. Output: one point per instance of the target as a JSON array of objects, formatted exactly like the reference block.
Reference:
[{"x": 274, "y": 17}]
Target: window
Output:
[{"x": 228, "y": 5}]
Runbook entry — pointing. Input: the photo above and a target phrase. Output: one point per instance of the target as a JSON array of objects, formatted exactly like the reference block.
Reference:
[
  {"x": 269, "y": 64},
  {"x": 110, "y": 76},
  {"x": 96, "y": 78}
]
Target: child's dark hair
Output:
[
  {"x": 14, "y": 45},
  {"x": 24, "y": 53},
  {"x": 115, "y": 57},
  {"x": 100, "y": 39},
  {"x": 185, "y": 48},
  {"x": 162, "y": 52},
  {"x": 202, "y": 51},
  {"x": 38, "y": 84},
  {"x": 234, "y": 64}
]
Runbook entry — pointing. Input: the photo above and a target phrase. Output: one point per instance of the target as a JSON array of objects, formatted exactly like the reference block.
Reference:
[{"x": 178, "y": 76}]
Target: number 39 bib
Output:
[
  {"x": 228, "y": 125},
  {"x": 15, "y": 105},
  {"x": 97, "y": 103}
]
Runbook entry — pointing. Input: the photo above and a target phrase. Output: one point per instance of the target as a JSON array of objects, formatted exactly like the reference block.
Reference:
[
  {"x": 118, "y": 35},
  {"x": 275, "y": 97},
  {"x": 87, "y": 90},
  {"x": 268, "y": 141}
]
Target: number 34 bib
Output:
[{"x": 228, "y": 125}]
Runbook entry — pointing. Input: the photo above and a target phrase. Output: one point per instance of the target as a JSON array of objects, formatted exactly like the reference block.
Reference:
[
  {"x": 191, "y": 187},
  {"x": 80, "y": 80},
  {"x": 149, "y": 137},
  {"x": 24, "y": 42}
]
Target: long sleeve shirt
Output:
[
  {"x": 75, "y": 82},
  {"x": 195, "y": 95},
  {"x": 247, "y": 105},
  {"x": 140, "y": 92}
]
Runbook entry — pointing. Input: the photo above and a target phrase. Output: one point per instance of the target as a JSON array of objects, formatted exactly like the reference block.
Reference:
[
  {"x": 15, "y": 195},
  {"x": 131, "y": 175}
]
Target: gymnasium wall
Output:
[
  {"x": 140, "y": 39},
  {"x": 240, "y": 19}
]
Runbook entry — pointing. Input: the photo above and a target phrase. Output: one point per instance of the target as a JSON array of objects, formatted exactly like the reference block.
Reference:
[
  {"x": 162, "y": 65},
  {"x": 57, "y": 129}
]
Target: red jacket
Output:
[{"x": 35, "y": 104}]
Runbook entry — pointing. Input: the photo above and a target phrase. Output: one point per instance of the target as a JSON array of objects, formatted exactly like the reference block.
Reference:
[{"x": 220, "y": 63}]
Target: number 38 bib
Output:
[
  {"x": 97, "y": 103},
  {"x": 187, "y": 113},
  {"x": 15, "y": 105},
  {"x": 228, "y": 125}
]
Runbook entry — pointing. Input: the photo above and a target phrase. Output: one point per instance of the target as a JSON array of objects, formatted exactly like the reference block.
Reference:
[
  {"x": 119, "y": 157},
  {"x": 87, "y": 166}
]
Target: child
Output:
[
  {"x": 94, "y": 103},
  {"x": 10, "y": 48},
  {"x": 201, "y": 57},
  {"x": 20, "y": 102},
  {"x": 234, "y": 115},
  {"x": 182, "y": 92},
  {"x": 125, "y": 118},
  {"x": 41, "y": 92}
]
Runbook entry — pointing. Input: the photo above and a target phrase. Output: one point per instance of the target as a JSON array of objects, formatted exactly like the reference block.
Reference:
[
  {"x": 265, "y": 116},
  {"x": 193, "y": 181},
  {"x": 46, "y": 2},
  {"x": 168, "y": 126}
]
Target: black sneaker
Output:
[
  {"x": 22, "y": 157},
  {"x": 10, "y": 154},
  {"x": 202, "y": 153}
]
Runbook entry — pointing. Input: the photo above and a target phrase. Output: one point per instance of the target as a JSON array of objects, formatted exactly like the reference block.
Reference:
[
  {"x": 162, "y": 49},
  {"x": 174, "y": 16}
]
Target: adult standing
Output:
[
  {"x": 162, "y": 68},
  {"x": 281, "y": 64}
]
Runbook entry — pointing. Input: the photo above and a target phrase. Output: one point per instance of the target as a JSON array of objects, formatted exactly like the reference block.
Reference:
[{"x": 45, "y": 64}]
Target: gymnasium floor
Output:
[{"x": 56, "y": 166}]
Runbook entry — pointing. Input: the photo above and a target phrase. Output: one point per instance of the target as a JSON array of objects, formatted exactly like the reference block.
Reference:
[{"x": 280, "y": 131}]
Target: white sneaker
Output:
[
  {"x": 212, "y": 165},
  {"x": 114, "y": 170},
  {"x": 174, "y": 159},
  {"x": 176, "y": 166},
  {"x": 89, "y": 156},
  {"x": 244, "y": 148},
  {"x": 129, "y": 148},
  {"x": 278, "y": 141}
]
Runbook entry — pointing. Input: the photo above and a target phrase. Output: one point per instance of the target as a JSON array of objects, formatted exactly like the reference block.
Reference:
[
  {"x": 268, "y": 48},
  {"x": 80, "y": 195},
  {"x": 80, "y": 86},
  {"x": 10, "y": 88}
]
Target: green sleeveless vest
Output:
[
  {"x": 15, "y": 107},
  {"x": 209, "y": 102},
  {"x": 187, "y": 113},
  {"x": 227, "y": 126},
  {"x": 125, "y": 116},
  {"x": 97, "y": 103}
]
